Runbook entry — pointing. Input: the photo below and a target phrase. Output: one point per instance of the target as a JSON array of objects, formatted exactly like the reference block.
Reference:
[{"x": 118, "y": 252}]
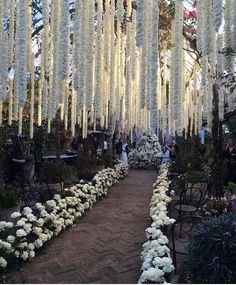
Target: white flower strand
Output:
[
  {"x": 128, "y": 75},
  {"x": 76, "y": 68},
  {"x": 144, "y": 83},
  {"x": 10, "y": 56},
  {"x": 55, "y": 83},
  {"x": 140, "y": 22},
  {"x": 90, "y": 56},
  {"x": 118, "y": 73},
  {"x": 48, "y": 106},
  {"x": 163, "y": 90},
  {"x": 233, "y": 26},
  {"x": 177, "y": 67},
  {"x": 218, "y": 13},
  {"x": 112, "y": 62},
  {"x": 64, "y": 51},
  {"x": 120, "y": 11},
  {"x": 3, "y": 51},
  {"x": 98, "y": 62},
  {"x": 200, "y": 25},
  {"x": 154, "y": 64},
  {"x": 12, "y": 9},
  {"x": 32, "y": 90},
  {"x": 43, "y": 92},
  {"x": 16, "y": 94},
  {"x": 82, "y": 57},
  {"x": 129, "y": 7},
  {"x": 22, "y": 52},
  {"x": 10, "y": 102}
]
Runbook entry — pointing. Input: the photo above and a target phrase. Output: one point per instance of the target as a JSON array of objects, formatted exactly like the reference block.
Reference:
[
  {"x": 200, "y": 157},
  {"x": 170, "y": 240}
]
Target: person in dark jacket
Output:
[{"x": 118, "y": 149}]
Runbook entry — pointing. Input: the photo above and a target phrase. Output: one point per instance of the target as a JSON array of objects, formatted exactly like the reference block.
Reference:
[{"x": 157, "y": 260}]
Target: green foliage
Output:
[
  {"x": 107, "y": 160},
  {"x": 231, "y": 125},
  {"x": 191, "y": 154},
  {"x": 232, "y": 187},
  {"x": 9, "y": 196},
  {"x": 195, "y": 176},
  {"x": 55, "y": 172},
  {"x": 212, "y": 251},
  {"x": 216, "y": 206}
]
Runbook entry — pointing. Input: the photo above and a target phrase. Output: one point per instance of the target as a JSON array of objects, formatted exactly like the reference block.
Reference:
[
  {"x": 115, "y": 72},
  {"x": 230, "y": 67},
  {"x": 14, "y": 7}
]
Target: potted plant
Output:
[
  {"x": 212, "y": 252},
  {"x": 10, "y": 197},
  {"x": 56, "y": 174}
]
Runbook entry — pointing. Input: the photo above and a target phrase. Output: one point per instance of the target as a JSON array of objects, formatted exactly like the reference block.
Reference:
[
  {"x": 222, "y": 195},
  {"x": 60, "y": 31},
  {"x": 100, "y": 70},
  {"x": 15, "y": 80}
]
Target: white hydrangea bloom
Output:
[
  {"x": 15, "y": 215},
  {"x": 3, "y": 262},
  {"x": 21, "y": 233}
]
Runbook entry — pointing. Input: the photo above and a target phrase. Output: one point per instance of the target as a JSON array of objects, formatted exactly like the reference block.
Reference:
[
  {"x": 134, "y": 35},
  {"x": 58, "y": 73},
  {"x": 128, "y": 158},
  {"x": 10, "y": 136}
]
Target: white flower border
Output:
[
  {"x": 32, "y": 228},
  {"x": 156, "y": 254}
]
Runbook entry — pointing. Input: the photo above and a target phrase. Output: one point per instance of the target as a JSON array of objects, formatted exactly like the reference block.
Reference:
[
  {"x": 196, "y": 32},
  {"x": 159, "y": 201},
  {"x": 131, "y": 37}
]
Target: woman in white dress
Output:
[{"x": 124, "y": 156}]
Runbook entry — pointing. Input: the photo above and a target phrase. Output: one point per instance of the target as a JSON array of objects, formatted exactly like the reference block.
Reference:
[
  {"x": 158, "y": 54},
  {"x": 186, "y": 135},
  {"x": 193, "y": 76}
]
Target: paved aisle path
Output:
[{"x": 105, "y": 245}]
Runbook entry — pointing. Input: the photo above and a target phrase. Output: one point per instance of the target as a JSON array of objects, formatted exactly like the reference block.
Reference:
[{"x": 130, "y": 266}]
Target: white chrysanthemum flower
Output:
[
  {"x": 21, "y": 233},
  {"x": 24, "y": 255},
  {"x": 15, "y": 215},
  {"x": 57, "y": 197},
  {"x": 11, "y": 239},
  {"x": 31, "y": 254},
  {"x": 31, "y": 246},
  {"x": 27, "y": 210},
  {"x": 40, "y": 222},
  {"x": 38, "y": 243},
  {"x": 31, "y": 217},
  {"x": 23, "y": 245},
  {"x": 37, "y": 230}
]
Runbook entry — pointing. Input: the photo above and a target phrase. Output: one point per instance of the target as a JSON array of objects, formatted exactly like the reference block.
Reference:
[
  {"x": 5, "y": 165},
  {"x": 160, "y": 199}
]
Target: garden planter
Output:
[
  {"x": 5, "y": 213},
  {"x": 67, "y": 185},
  {"x": 57, "y": 187},
  {"x": 101, "y": 167},
  {"x": 93, "y": 169}
]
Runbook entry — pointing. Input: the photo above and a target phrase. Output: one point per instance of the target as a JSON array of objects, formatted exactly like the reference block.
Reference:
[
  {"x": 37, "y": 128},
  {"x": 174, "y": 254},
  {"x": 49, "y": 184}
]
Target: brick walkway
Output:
[{"x": 105, "y": 245}]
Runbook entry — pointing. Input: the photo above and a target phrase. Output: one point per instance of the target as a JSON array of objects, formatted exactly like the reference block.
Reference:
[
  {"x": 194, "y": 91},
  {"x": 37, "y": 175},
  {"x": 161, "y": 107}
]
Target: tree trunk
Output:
[{"x": 217, "y": 145}]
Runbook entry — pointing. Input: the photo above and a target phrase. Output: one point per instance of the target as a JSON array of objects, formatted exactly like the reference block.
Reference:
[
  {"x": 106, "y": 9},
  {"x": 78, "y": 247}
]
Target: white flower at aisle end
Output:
[
  {"x": 147, "y": 153},
  {"x": 32, "y": 228},
  {"x": 156, "y": 258}
]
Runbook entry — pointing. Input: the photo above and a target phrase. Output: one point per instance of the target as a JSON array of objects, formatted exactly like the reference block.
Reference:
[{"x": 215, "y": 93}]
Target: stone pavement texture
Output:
[{"x": 105, "y": 245}]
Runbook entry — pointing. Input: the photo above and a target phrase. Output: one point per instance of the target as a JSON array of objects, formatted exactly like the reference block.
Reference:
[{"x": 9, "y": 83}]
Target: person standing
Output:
[
  {"x": 124, "y": 156},
  {"x": 166, "y": 155},
  {"x": 105, "y": 146},
  {"x": 118, "y": 149}
]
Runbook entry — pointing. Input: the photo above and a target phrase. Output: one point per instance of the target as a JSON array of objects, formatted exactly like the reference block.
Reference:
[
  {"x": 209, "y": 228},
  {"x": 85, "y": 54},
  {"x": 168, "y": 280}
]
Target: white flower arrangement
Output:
[
  {"x": 156, "y": 255},
  {"x": 147, "y": 154},
  {"x": 32, "y": 228}
]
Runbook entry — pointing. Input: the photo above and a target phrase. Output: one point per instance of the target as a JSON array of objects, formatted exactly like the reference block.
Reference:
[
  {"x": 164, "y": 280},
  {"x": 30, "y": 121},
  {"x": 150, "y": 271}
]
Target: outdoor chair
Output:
[
  {"x": 178, "y": 185},
  {"x": 180, "y": 233},
  {"x": 190, "y": 200},
  {"x": 31, "y": 193}
]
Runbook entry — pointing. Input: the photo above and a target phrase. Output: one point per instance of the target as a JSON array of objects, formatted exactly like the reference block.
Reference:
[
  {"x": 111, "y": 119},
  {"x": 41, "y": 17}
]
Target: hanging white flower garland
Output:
[
  {"x": 177, "y": 67},
  {"x": 3, "y": 51},
  {"x": 98, "y": 63},
  {"x": 55, "y": 57},
  {"x": 154, "y": 64},
  {"x": 22, "y": 52},
  {"x": 43, "y": 84}
]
